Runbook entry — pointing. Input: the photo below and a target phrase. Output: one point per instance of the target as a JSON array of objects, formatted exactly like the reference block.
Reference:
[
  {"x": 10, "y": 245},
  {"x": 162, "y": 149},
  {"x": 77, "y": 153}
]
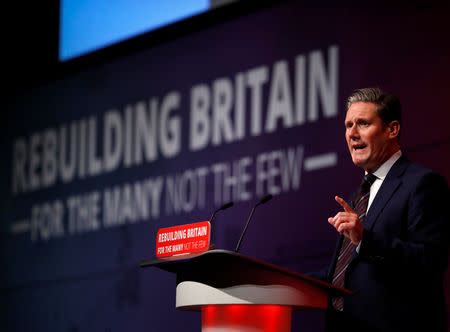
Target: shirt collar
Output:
[{"x": 382, "y": 171}]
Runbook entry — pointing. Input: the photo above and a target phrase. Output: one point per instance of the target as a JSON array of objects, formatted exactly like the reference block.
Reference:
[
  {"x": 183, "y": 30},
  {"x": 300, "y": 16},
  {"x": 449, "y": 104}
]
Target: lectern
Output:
[{"x": 238, "y": 293}]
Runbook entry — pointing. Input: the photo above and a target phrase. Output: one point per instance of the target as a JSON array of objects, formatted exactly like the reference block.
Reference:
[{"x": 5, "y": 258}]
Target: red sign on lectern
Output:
[{"x": 183, "y": 239}]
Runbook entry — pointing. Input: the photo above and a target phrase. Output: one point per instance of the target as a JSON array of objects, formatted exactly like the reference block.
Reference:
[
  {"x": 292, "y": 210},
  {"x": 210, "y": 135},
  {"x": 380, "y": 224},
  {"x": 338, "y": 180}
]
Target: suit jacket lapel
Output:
[{"x": 390, "y": 184}]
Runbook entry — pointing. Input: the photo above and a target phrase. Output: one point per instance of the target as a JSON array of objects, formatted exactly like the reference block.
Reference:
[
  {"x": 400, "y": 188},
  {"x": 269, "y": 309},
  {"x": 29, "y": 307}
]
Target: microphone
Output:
[
  {"x": 223, "y": 207},
  {"x": 263, "y": 201}
]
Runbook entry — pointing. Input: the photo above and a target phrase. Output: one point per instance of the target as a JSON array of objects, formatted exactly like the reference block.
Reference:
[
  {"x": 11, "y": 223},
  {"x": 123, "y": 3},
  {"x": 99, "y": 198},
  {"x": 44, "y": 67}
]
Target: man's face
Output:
[{"x": 369, "y": 140}]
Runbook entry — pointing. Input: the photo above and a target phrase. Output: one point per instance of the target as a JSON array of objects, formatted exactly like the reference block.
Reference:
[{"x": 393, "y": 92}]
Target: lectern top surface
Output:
[{"x": 214, "y": 262}]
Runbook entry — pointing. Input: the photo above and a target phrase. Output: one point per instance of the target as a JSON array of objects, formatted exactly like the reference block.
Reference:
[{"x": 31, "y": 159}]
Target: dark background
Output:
[{"x": 91, "y": 282}]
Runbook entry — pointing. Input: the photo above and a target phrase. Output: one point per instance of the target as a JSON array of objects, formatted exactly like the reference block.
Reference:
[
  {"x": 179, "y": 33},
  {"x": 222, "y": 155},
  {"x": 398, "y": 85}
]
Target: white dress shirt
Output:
[{"x": 380, "y": 173}]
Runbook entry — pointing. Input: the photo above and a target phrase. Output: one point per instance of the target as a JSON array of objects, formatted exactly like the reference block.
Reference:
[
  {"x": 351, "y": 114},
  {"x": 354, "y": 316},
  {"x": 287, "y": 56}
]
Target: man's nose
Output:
[{"x": 353, "y": 132}]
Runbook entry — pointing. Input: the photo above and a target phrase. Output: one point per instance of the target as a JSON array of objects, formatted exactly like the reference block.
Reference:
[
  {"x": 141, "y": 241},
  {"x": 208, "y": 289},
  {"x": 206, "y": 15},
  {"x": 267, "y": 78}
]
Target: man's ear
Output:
[{"x": 394, "y": 129}]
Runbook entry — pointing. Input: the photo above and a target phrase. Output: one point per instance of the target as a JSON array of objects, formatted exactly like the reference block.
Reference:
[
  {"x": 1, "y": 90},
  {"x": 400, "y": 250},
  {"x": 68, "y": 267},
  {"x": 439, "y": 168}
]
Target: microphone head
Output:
[
  {"x": 226, "y": 206},
  {"x": 223, "y": 207},
  {"x": 265, "y": 199}
]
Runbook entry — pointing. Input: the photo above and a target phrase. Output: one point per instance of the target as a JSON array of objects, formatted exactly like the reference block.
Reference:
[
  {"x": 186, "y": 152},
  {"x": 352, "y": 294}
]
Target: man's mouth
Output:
[{"x": 359, "y": 147}]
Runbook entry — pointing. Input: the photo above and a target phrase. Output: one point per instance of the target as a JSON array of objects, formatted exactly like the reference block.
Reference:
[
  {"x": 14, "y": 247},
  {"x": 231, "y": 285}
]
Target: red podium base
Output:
[{"x": 246, "y": 318}]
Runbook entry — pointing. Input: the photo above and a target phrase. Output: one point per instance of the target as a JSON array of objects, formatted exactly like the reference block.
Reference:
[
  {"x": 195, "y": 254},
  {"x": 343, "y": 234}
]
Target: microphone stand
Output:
[{"x": 264, "y": 200}]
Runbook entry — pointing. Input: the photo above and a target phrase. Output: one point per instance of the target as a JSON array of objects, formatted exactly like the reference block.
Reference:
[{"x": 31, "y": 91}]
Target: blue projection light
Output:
[{"x": 86, "y": 26}]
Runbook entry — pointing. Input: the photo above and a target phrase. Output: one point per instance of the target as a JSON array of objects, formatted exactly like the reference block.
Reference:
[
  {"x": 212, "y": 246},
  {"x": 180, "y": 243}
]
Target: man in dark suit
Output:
[{"x": 394, "y": 233}]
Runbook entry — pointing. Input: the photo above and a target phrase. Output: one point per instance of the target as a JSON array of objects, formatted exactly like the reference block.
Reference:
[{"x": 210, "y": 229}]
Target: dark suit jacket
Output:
[{"x": 398, "y": 273}]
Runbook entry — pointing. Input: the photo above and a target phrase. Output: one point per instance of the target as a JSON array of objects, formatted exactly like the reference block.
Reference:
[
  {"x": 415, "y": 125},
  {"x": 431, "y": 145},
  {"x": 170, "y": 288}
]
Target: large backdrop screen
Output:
[{"x": 94, "y": 164}]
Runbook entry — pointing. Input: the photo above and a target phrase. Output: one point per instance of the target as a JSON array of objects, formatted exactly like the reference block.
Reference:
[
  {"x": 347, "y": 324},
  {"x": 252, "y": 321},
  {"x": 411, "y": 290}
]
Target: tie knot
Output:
[{"x": 369, "y": 179}]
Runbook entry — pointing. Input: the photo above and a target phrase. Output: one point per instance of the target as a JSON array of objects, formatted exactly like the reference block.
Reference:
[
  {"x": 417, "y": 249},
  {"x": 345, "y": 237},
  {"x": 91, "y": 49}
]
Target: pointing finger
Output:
[{"x": 344, "y": 204}]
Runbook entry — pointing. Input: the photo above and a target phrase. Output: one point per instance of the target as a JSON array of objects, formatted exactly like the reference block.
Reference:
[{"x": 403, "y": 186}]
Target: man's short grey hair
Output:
[{"x": 389, "y": 107}]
